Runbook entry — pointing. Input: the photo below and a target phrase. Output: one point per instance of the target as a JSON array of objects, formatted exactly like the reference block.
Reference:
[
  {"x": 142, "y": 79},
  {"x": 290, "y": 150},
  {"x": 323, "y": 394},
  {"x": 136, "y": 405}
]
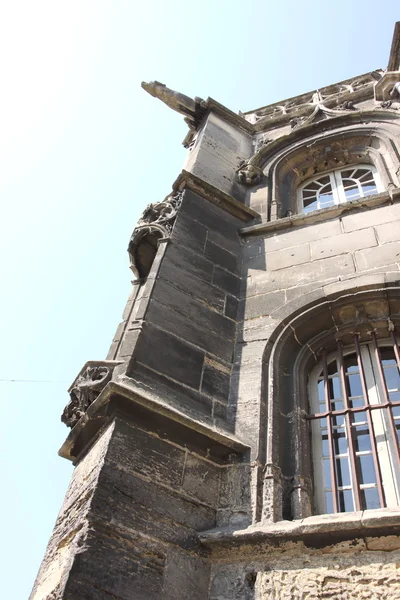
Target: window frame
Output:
[
  {"x": 336, "y": 183},
  {"x": 381, "y": 423}
]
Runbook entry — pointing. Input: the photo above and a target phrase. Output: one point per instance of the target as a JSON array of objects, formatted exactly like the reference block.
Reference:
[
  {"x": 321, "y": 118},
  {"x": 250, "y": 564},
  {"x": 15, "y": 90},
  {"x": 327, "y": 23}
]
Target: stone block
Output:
[
  {"x": 263, "y": 304},
  {"x": 389, "y": 254},
  {"x": 259, "y": 328},
  {"x": 201, "y": 479},
  {"x": 226, "y": 281},
  {"x": 189, "y": 233},
  {"x": 113, "y": 563},
  {"x": 231, "y": 307},
  {"x": 294, "y": 237},
  {"x": 203, "y": 292},
  {"x": 181, "y": 302},
  {"x": 318, "y": 270},
  {"x": 388, "y": 232},
  {"x": 215, "y": 383},
  {"x": 183, "y": 326},
  {"x": 169, "y": 355},
  {"x": 369, "y": 218},
  {"x": 185, "y": 576},
  {"x": 128, "y": 343},
  {"x": 355, "y": 283},
  {"x": 145, "y": 454},
  {"x": 221, "y": 257},
  {"x": 340, "y": 244},
  {"x": 188, "y": 261},
  {"x": 182, "y": 398},
  {"x": 281, "y": 259}
]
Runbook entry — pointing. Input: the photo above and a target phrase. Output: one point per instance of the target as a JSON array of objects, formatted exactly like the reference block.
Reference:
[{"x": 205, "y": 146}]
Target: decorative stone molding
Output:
[
  {"x": 156, "y": 222},
  {"x": 89, "y": 383}
]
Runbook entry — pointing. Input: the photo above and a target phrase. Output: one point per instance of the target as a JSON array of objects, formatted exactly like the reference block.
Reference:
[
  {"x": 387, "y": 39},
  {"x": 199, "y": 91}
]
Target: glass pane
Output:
[
  {"x": 335, "y": 388},
  {"x": 366, "y": 469},
  {"x": 329, "y": 502},
  {"x": 326, "y": 199},
  {"x": 343, "y": 472},
  {"x": 338, "y": 420},
  {"x": 369, "y": 189},
  {"x": 370, "y": 498},
  {"x": 325, "y": 445},
  {"x": 362, "y": 441},
  {"x": 349, "y": 184},
  {"x": 346, "y": 501},
  {"x": 354, "y": 383},
  {"x": 308, "y": 207},
  {"x": 321, "y": 391},
  {"x": 350, "y": 363},
  {"x": 339, "y": 441},
  {"x": 327, "y": 474},
  {"x": 392, "y": 378},
  {"x": 396, "y": 411},
  {"x": 338, "y": 405},
  {"x": 387, "y": 356},
  {"x": 360, "y": 417}
]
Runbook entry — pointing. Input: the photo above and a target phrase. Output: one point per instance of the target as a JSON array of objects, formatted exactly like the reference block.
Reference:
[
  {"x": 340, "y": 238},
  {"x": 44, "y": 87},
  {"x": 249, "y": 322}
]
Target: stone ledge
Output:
[
  {"x": 319, "y": 530},
  {"x": 319, "y": 216},
  {"x": 124, "y": 400},
  {"x": 212, "y": 194}
]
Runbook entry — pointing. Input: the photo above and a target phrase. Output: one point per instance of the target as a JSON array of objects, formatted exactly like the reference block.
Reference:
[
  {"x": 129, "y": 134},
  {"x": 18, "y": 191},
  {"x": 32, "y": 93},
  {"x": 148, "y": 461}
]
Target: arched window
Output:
[
  {"x": 355, "y": 426},
  {"x": 338, "y": 187}
]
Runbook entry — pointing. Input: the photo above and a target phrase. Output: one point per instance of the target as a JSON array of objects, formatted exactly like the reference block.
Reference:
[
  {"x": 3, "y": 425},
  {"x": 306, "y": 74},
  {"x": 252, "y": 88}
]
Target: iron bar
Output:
[
  {"x": 371, "y": 428},
  {"x": 332, "y": 464},
  {"x": 349, "y": 429},
  {"x": 386, "y": 397}
]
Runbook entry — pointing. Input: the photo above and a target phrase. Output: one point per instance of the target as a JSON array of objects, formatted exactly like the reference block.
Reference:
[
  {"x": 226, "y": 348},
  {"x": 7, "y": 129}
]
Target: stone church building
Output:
[{"x": 240, "y": 441}]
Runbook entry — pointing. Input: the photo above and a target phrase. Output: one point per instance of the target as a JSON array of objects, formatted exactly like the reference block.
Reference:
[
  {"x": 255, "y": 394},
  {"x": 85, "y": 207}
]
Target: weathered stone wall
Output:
[
  {"x": 128, "y": 525},
  {"x": 358, "y": 569},
  {"x": 183, "y": 353},
  {"x": 286, "y": 270},
  {"x": 218, "y": 150}
]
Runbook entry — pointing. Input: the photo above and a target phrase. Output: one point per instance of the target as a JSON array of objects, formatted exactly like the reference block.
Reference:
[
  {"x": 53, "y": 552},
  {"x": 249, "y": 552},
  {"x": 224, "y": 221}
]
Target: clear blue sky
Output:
[{"x": 83, "y": 150}]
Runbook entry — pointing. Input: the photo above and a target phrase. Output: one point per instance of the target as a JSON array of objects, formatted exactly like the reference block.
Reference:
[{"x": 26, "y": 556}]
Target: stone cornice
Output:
[
  {"x": 319, "y": 530},
  {"x": 229, "y": 116},
  {"x": 124, "y": 399},
  {"x": 212, "y": 194},
  {"x": 319, "y": 216}
]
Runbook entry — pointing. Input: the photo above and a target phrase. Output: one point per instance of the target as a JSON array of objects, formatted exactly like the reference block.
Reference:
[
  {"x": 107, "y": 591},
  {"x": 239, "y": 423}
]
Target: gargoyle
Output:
[
  {"x": 85, "y": 391},
  {"x": 192, "y": 109}
]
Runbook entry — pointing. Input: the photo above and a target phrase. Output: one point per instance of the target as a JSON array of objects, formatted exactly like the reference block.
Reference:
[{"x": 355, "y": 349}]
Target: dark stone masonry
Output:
[{"x": 240, "y": 440}]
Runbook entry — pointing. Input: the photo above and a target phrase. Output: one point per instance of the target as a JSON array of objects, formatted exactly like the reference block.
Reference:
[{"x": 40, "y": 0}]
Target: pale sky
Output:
[{"x": 83, "y": 149}]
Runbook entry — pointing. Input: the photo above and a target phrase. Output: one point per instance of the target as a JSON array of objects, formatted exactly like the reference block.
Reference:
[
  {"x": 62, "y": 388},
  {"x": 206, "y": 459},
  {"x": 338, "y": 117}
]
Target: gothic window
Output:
[
  {"x": 355, "y": 427},
  {"x": 338, "y": 187}
]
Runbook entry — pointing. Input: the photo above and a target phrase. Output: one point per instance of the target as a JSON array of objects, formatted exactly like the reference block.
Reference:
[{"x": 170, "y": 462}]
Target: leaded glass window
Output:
[{"x": 338, "y": 187}]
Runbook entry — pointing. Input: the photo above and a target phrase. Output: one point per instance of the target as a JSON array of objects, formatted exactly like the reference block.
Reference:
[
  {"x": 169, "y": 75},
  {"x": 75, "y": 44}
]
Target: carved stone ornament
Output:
[
  {"x": 84, "y": 391},
  {"x": 159, "y": 216},
  {"x": 156, "y": 222},
  {"x": 249, "y": 174}
]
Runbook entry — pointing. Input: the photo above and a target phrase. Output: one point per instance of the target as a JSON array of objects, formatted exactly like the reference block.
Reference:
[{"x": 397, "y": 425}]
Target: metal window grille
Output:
[{"x": 357, "y": 424}]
